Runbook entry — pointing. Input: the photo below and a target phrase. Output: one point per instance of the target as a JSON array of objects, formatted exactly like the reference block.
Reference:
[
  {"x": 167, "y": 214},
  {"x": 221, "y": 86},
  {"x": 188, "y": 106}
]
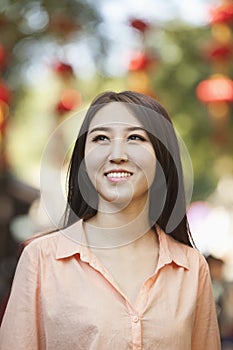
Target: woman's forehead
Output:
[{"x": 115, "y": 113}]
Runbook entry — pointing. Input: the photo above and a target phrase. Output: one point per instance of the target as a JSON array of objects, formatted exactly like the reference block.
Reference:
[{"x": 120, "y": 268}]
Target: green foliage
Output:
[
  {"x": 181, "y": 67},
  {"x": 29, "y": 28}
]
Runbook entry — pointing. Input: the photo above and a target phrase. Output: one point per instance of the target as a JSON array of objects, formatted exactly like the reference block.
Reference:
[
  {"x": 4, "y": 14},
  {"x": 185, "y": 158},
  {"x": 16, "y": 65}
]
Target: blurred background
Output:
[{"x": 55, "y": 57}]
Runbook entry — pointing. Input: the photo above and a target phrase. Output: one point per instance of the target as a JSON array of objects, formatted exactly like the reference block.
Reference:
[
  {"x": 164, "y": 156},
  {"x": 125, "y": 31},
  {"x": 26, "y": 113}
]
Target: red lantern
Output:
[
  {"x": 5, "y": 94},
  {"x": 140, "y": 61},
  {"x": 222, "y": 14},
  {"x": 139, "y": 24},
  {"x": 65, "y": 70},
  {"x": 60, "y": 108},
  {"x": 216, "y": 89},
  {"x": 219, "y": 52},
  {"x": 70, "y": 100}
]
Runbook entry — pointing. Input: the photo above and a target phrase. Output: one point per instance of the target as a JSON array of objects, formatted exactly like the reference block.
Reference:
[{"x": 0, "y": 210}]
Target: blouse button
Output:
[{"x": 135, "y": 318}]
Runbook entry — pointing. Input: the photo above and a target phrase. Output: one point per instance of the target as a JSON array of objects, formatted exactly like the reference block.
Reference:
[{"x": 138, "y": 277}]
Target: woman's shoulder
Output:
[
  {"x": 193, "y": 255},
  {"x": 45, "y": 242},
  {"x": 50, "y": 244}
]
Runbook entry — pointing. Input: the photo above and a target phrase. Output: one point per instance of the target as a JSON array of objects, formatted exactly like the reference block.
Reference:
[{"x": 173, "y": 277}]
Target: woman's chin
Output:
[{"x": 114, "y": 203}]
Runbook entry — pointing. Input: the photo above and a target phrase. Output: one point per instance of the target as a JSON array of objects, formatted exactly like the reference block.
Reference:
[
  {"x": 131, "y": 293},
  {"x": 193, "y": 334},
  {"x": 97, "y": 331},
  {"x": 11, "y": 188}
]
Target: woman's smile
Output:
[{"x": 118, "y": 175}]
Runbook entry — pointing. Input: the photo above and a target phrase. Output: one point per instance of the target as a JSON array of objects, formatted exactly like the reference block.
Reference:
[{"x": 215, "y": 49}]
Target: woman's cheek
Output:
[{"x": 94, "y": 163}]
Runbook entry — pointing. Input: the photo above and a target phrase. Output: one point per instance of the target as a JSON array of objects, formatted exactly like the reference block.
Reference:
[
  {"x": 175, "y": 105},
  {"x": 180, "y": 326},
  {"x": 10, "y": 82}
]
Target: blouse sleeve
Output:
[
  {"x": 20, "y": 324},
  {"x": 205, "y": 335}
]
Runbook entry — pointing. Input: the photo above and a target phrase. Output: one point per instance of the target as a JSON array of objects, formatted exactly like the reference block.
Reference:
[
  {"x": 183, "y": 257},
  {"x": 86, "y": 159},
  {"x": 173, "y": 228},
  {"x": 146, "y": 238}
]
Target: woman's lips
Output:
[{"x": 118, "y": 175}]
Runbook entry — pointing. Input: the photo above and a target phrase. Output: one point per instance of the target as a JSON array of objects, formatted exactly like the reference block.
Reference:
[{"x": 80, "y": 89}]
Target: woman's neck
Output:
[{"x": 118, "y": 227}]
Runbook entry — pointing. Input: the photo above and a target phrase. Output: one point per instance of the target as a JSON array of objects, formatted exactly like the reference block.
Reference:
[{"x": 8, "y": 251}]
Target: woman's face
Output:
[{"x": 119, "y": 157}]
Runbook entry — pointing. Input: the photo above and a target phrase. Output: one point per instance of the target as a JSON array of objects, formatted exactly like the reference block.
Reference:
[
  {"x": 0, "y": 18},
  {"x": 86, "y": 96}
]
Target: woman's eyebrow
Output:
[
  {"x": 100, "y": 128},
  {"x": 106, "y": 129},
  {"x": 133, "y": 128}
]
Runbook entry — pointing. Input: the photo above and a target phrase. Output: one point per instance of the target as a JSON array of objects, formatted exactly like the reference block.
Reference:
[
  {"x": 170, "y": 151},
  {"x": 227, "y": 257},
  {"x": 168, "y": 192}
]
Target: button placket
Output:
[{"x": 136, "y": 332}]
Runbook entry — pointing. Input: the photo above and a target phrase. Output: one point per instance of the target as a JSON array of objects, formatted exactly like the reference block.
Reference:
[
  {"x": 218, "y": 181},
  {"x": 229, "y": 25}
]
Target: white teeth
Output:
[{"x": 118, "y": 174}]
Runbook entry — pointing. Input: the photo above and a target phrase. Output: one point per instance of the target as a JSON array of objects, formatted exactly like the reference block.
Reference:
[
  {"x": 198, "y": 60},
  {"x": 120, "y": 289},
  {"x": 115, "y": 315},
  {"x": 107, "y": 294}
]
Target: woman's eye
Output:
[
  {"x": 100, "y": 138},
  {"x": 135, "y": 137}
]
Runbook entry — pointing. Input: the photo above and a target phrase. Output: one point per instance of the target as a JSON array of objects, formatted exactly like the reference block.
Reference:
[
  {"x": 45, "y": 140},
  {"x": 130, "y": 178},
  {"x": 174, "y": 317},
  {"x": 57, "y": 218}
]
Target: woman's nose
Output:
[{"x": 118, "y": 152}]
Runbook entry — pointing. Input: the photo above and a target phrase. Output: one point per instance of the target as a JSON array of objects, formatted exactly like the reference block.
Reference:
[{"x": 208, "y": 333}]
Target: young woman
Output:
[{"x": 124, "y": 272}]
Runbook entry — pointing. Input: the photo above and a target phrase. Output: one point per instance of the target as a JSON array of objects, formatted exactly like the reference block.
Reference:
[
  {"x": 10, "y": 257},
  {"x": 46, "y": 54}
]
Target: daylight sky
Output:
[{"x": 192, "y": 11}]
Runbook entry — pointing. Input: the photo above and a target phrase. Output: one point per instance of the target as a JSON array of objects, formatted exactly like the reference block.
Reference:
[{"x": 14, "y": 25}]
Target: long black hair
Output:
[{"x": 167, "y": 195}]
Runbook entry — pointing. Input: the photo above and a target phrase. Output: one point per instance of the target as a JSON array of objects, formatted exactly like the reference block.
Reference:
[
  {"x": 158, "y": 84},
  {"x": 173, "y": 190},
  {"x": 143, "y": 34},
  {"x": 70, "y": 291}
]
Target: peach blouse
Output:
[{"x": 63, "y": 298}]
